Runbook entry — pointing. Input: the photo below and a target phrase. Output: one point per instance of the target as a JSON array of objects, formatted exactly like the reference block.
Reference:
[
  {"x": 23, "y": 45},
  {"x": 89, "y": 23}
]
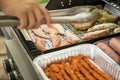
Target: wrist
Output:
[
  {"x": 31, "y": 0},
  {"x": 1, "y": 4}
]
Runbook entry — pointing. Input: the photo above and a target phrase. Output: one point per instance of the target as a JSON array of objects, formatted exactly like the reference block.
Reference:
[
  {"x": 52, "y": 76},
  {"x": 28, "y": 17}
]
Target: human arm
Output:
[{"x": 29, "y": 12}]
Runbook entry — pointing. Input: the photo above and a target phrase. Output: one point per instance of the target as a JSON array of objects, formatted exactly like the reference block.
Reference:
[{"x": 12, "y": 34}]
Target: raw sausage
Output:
[
  {"x": 109, "y": 52},
  {"x": 115, "y": 44}
]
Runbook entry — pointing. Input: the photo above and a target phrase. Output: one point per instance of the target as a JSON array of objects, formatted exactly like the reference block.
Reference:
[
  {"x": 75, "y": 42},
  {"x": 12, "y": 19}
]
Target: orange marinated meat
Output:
[
  {"x": 70, "y": 73},
  {"x": 94, "y": 73},
  {"x": 106, "y": 77},
  {"x": 75, "y": 68},
  {"x": 79, "y": 75},
  {"x": 87, "y": 74}
]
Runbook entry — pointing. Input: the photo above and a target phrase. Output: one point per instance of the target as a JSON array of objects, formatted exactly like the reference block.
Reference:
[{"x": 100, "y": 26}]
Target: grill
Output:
[
  {"x": 30, "y": 51},
  {"x": 34, "y": 52}
]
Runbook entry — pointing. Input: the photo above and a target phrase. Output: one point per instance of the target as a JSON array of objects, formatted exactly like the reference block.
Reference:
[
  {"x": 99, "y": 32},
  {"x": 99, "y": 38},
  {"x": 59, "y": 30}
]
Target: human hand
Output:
[{"x": 29, "y": 12}]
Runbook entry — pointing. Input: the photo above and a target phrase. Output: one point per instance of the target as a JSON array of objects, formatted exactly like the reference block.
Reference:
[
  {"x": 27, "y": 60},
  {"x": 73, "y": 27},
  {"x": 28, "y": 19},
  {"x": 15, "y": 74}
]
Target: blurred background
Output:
[
  {"x": 42, "y": 1},
  {"x": 3, "y": 56}
]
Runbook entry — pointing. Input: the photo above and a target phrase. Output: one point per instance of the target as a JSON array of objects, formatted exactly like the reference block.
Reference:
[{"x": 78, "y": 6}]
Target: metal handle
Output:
[
  {"x": 8, "y": 21},
  {"x": 74, "y": 14}
]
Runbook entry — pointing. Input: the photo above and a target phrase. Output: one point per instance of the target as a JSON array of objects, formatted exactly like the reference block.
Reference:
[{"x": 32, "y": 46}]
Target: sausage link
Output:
[
  {"x": 109, "y": 51},
  {"x": 115, "y": 44}
]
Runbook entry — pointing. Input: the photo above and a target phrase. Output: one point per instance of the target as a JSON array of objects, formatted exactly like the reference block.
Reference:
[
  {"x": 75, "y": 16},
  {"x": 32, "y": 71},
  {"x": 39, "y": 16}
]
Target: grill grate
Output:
[
  {"x": 33, "y": 51},
  {"x": 28, "y": 45}
]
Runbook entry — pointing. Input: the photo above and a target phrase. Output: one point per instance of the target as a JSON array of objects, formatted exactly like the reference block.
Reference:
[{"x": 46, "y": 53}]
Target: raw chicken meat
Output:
[
  {"x": 64, "y": 43},
  {"x": 40, "y": 44},
  {"x": 71, "y": 38},
  {"x": 56, "y": 40},
  {"x": 48, "y": 30},
  {"x": 40, "y": 33},
  {"x": 59, "y": 28}
]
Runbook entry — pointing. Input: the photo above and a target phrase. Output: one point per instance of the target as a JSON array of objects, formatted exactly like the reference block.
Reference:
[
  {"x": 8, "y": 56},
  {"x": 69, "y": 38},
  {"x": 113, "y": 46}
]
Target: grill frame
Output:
[
  {"x": 32, "y": 50},
  {"x": 27, "y": 44},
  {"x": 33, "y": 53}
]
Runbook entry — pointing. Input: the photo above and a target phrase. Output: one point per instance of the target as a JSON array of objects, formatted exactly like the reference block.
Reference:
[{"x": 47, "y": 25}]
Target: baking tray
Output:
[{"x": 94, "y": 53}]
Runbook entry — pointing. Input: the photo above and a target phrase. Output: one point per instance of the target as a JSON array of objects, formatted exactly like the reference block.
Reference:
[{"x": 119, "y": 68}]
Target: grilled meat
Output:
[
  {"x": 82, "y": 26},
  {"x": 117, "y": 30},
  {"x": 95, "y": 34},
  {"x": 103, "y": 26}
]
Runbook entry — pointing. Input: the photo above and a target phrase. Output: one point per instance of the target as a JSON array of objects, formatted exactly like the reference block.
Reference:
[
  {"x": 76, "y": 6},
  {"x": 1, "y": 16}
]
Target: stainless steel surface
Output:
[
  {"x": 70, "y": 11},
  {"x": 77, "y": 18},
  {"x": 22, "y": 60},
  {"x": 6, "y": 32},
  {"x": 105, "y": 63},
  {"x": 73, "y": 14},
  {"x": 9, "y": 22},
  {"x": 112, "y": 10}
]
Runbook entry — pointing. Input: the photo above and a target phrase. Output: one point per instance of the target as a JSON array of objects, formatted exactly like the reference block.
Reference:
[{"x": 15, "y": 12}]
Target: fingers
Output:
[
  {"x": 39, "y": 17},
  {"x": 27, "y": 18},
  {"x": 23, "y": 21},
  {"x": 46, "y": 15},
  {"x": 33, "y": 17},
  {"x": 31, "y": 20}
]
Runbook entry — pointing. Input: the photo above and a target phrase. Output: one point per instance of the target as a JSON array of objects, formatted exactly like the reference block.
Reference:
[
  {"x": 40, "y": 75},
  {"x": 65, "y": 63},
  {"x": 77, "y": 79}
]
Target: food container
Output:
[
  {"x": 106, "y": 40},
  {"x": 109, "y": 49},
  {"x": 105, "y": 63}
]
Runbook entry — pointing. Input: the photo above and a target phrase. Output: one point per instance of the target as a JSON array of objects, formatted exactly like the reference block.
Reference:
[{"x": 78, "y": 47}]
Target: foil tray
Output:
[
  {"x": 29, "y": 35},
  {"x": 105, "y": 63}
]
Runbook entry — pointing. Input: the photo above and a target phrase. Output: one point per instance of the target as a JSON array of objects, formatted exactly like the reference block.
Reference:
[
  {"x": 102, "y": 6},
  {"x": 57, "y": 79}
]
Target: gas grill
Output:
[{"x": 22, "y": 50}]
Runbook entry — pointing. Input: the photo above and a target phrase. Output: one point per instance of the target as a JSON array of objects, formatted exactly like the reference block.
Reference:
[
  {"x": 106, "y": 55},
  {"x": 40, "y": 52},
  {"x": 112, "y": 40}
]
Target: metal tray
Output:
[
  {"x": 107, "y": 42},
  {"x": 96, "y": 55},
  {"x": 67, "y": 26}
]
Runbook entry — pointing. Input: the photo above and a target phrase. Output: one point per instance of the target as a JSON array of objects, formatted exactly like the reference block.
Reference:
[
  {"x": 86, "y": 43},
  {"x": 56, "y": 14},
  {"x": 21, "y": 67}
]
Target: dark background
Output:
[{"x": 56, "y": 4}]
